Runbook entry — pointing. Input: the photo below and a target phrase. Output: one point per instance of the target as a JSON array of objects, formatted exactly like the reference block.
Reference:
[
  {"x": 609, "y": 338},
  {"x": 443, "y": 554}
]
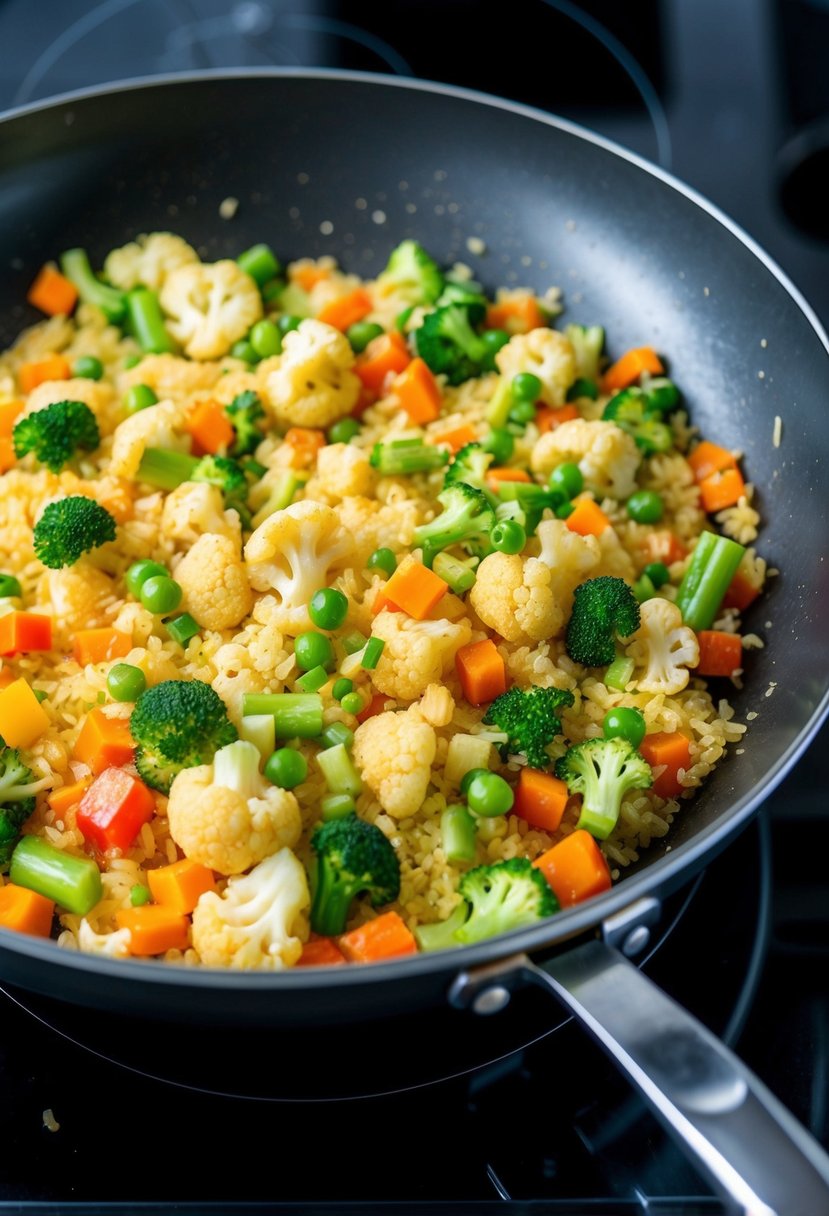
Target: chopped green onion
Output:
[
  {"x": 165, "y": 470},
  {"x": 352, "y": 642},
  {"x": 296, "y": 715},
  {"x": 260, "y": 263},
  {"x": 372, "y": 652},
  {"x": 338, "y": 770},
  {"x": 140, "y": 895},
  {"x": 453, "y": 571},
  {"x": 73, "y": 883},
  {"x": 458, "y": 830},
  {"x": 403, "y": 456},
  {"x": 147, "y": 322},
  {"x": 336, "y": 732},
  {"x": 337, "y": 806},
  {"x": 313, "y": 680},
  {"x": 41, "y": 695},
  {"x": 182, "y": 628},
  {"x": 619, "y": 673},
  {"x": 259, "y": 730},
  {"x": 713, "y": 565}
]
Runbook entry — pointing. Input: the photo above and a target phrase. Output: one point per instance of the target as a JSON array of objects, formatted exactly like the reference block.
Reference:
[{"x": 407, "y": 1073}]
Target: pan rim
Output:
[{"x": 570, "y": 923}]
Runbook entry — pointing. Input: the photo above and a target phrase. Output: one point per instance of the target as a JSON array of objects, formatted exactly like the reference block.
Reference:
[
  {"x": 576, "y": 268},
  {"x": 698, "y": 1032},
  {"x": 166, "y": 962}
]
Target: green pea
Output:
[
  {"x": 342, "y": 688},
  {"x": 265, "y": 339},
  {"x": 287, "y": 323},
  {"x": 344, "y": 430},
  {"x": 489, "y": 795},
  {"x": 139, "y": 397},
  {"x": 493, "y": 340},
  {"x": 286, "y": 768},
  {"x": 624, "y": 723},
  {"x": 645, "y": 507},
  {"x": 313, "y": 649},
  {"x": 9, "y": 586},
  {"x": 565, "y": 509},
  {"x": 328, "y": 608},
  {"x": 501, "y": 443},
  {"x": 87, "y": 367},
  {"x": 525, "y": 387},
  {"x": 361, "y": 333},
  {"x": 244, "y": 350},
  {"x": 469, "y": 777},
  {"x": 160, "y": 593},
  {"x": 139, "y": 572},
  {"x": 352, "y": 703},
  {"x": 382, "y": 559},
  {"x": 508, "y": 536},
  {"x": 522, "y": 412},
  {"x": 125, "y": 682},
  {"x": 140, "y": 895},
  {"x": 568, "y": 478},
  {"x": 658, "y": 573}
]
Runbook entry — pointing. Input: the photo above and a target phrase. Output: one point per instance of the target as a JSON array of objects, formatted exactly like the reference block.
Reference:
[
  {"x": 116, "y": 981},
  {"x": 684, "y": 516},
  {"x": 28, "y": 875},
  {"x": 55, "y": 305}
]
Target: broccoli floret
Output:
[
  {"x": 230, "y": 478},
  {"x": 466, "y": 516},
  {"x": 413, "y": 273},
  {"x": 603, "y": 771},
  {"x": 467, "y": 294},
  {"x": 69, "y": 528},
  {"x": 17, "y": 799},
  {"x": 629, "y": 410},
  {"x": 504, "y": 896},
  {"x": 353, "y": 857},
  {"x": 55, "y": 433},
  {"x": 178, "y": 724},
  {"x": 530, "y": 719},
  {"x": 449, "y": 345},
  {"x": 588, "y": 344},
  {"x": 532, "y": 500},
  {"x": 470, "y": 466},
  {"x": 245, "y": 412},
  {"x": 602, "y": 608}
]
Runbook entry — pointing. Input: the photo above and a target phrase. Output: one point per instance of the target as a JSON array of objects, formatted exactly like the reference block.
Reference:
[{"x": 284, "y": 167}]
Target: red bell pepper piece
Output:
[{"x": 114, "y": 809}]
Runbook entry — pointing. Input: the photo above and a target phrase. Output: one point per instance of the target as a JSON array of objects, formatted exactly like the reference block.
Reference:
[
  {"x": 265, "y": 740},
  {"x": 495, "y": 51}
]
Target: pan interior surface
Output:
[{"x": 349, "y": 166}]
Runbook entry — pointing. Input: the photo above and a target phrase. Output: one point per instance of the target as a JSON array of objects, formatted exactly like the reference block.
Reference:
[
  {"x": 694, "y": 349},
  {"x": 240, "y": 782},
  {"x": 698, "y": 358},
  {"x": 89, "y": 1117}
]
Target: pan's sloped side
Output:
[{"x": 349, "y": 166}]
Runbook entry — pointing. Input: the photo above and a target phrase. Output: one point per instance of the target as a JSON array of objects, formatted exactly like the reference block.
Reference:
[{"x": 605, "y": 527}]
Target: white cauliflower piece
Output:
[
  {"x": 93, "y": 393},
  {"x": 664, "y": 647},
  {"x": 195, "y": 508},
  {"x": 170, "y": 376},
  {"x": 77, "y": 597},
  {"x": 158, "y": 426},
  {"x": 312, "y": 384},
  {"x": 215, "y": 582},
  {"x": 547, "y": 354},
  {"x": 226, "y": 816},
  {"x": 259, "y": 922},
  {"x": 236, "y": 675},
  {"x": 209, "y": 307},
  {"x": 292, "y": 554},
  {"x": 615, "y": 559},
  {"x": 394, "y": 753},
  {"x": 148, "y": 260},
  {"x": 529, "y": 599},
  {"x": 372, "y": 524},
  {"x": 416, "y": 653},
  {"x": 109, "y": 945},
  {"x": 607, "y": 456},
  {"x": 437, "y": 705},
  {"x": 343, "y": 471}
]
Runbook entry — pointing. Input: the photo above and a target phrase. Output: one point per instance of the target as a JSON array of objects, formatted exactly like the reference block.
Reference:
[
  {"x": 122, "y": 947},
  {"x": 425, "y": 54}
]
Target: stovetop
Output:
[{"x": 734, "y": 99}]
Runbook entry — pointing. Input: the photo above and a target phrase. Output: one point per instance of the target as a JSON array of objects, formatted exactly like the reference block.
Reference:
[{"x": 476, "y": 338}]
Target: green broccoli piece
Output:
[
  {"x": 532, "y": 499},
  {"x": 466, "y": 517},
  {"x": 178, "y": 724},
  {"x": 17, "y": 799},
  {"x": 470, "y": 466},
  {"x": 245, "y": 412},
  {"x": 353, "y": 857},
  {"x": 449, "y": 345},
  {"x": 55, "y": 433},
  {"x": 530, "y": 719},
  {"x": 69, "y": 528},
  {"x": 603, "y": 771},
  {"x": 504, "y": 896},
  {"x": 413, "y": 273},
  {"x": 230, "y": 478},
  {"x": 602, "y": 607},
  {"x": 629, "y": 410},
  {"x": 588, "y": 344},
  {"x": 467, "y": 294}
]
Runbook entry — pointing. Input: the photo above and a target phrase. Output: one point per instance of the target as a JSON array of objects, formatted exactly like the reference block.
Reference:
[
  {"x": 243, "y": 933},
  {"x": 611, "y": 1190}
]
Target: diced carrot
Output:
[
  {"x": 673, "y": 750},
  {"x": 481, "y": 671},
  {"x": 114, "y": 809},
  {"x": 587, "y": 518},
  {"x": 455, "y": 440},
  {"x": 306, "y": 443},
  {"x": 540, "y": 799},
  {"x": 384, "y": 356},
  {"x": 721, "y": 490},
  {"x": 308, "y": 275},
  {"x": 154, "y": 929},
  {"x": 663, "y": 546},
  {"x": 63, "y": 799},
  {"x": 100, "y": 645},
  {"x": 384, "y": 937},
  {"x": 720, "y": 653},
  {"x": 7, "y": 456},
  {"x": 180, "y": 886},
  {"x": 25, "y": 911},
  {"x": 321, "y": 952},
  {"x": 376, "y": 705},
  {"x": 548, "y": 418},
  {"x": 10, "y": 411},
  {"x": 495, "y": 476},
  {"x": 104, "y": 742},
  {"x": 740, "y": 593},
  {"x": 413, "y": 589},
  {"x": 418, "y": 392},
  {"x": 347, "y": 310},
  {"x": 52, "y": 293},
  {"x": 516, "y": 316},
  {"x": 630, "y": 367},
  {"x": 708, "y": 458},
  {"x": 22, "y": 632},
  {"x": 53, "y": 367},
  {"x": 210, "y": 427},
  {"x": 22, "y": 718},
  {"x": 575, "y": 868}
]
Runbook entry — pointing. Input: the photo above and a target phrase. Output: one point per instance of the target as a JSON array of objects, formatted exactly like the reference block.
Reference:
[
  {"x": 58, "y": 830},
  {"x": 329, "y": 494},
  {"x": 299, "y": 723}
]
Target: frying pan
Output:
[{"x": 350, "y": 165}]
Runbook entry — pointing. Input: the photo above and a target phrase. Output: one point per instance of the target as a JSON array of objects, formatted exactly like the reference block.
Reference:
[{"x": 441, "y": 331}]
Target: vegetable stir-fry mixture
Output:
[{"x": 342, "y": 619}]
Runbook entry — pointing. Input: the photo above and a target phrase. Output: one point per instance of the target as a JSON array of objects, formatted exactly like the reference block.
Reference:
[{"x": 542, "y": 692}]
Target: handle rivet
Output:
[
  {"x": 491, "y": 1000},
  {"x": 636, "y": 941}
]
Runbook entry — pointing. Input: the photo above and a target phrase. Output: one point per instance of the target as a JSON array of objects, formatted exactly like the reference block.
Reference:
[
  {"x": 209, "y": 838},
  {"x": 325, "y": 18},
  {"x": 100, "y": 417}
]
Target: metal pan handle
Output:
[{"x": 728, "y": 1123}]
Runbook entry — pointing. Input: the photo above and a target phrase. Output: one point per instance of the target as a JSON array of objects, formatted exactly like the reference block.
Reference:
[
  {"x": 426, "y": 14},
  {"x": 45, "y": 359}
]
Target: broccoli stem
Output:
[
  {"x": 73, "y": 883},
  {"x": 147, "y": 322},
  {"x": 454, "y": 572},
  {"x": 296, "y": 715},
  {"x": 458, "y": 831},
  {"x": 338, "y": 770},
  {"x": 112, "y": 303},
  {"x": 500, "y": 404},
  {"x": 441, "y": 935},
  {"x": 236, "y": 767},
  {"x": 712, "y": 567},
  {"x": 165, "y": 470},
  {"x": 281, "y": 496},
  {"x": 405, "y": 456}
]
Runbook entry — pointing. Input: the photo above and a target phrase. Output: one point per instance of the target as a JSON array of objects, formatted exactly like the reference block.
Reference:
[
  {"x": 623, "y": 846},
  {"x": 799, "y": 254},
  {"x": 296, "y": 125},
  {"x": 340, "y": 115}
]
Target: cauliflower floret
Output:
[
  {"x": 607, "y": 456},
  {"x": 437, "y": 705},
  {"x": 92, "y": 393},
  {"x": 77, "y": 597},
  {"x": 157, "y": 426},
  {"x": 235, "y": 676},
  {"x": 215, "y": 582},
  {"x": 416, "y": 653},
  {"x": 529, "y": 599},
  {"x": 209, "y": 307},
  {"x": 394, "y": 753},
  {"x": 371, "y": 524},
  {"x": 226, "y": 816},
  {"x": 343, "y": 470},
  {"x": 615, "y": 559},
  {"x": 110, "y": 945},
  {"x": 312, "y": 384},
  {"x": 547, "y": 354},
  {"x": 172, "y": 377},
  {"x": 259, "y": 922},
  {"x": 193, "y": 509},
  {"x": 148, "y": 260},
  {"x": 664, "y": 647},
  {"x": 292, "y": 553}
]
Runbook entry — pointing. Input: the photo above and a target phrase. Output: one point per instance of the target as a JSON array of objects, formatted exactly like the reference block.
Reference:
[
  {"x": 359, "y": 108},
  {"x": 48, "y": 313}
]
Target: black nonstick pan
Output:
[{"x": 349, "y": 165}]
